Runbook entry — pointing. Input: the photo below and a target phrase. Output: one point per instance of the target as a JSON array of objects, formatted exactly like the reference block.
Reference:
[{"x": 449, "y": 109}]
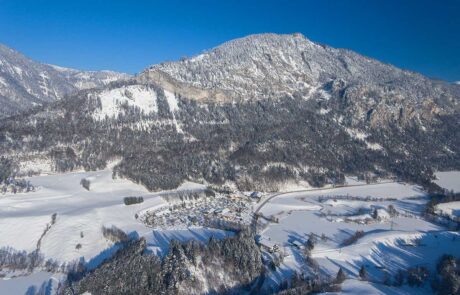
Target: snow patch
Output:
[
  {"x": 374, "y": 146},
  {"x": 357, "y": 134},
  {"x": 3, "y": 82},
  {"x": 198, "y": 58},
  {"x": 138, "y": 96},
  {"x": 449, "y": 180},
  {"x": 17, "y": 70},
  {"x": 452, "y": 209},
  {"x": 172, "y": 101}
]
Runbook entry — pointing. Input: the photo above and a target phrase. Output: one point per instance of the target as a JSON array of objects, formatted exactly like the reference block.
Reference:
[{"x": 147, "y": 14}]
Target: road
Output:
[{"x": 264, "y": 202}]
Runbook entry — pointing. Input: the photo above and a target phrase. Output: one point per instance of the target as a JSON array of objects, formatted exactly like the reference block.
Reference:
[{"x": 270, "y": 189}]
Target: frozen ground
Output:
[
  {"x": 452, "y": 209},
  {"x": 79, "y": 212},
  {"x": 80, "y": 215},
  {"x": 32, "y": 284},
  {"x": 390, "y": 242},
  {"x": 395, "y": 236},
  {"x": 357, "y": 287},
  {"x": 449, "y": 180}
]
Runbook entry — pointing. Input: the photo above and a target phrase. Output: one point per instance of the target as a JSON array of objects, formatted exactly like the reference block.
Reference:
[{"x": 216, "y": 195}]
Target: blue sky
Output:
[{"x": 128, "y": 36}]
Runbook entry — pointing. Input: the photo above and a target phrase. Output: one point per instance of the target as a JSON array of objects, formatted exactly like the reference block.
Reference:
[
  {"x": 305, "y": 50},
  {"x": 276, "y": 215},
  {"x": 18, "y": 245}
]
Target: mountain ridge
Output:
[
  {"x": 25, "y": 83},
  {"x": 236, "y": 49},
  {"x": 272, "y": 66}
]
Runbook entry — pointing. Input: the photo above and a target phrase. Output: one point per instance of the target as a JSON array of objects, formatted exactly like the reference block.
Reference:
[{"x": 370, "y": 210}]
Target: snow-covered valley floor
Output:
[
  {"x": 80, "y": 215},
  {"x": 394, "y": 235}
]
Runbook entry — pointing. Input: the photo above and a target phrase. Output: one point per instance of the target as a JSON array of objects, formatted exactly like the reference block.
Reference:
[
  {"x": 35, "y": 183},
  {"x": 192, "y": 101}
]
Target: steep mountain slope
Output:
[
  {"x": 25, "y": 83},
  {"x": 271, "y": 66},
  {"x": 213, "y": 122}
]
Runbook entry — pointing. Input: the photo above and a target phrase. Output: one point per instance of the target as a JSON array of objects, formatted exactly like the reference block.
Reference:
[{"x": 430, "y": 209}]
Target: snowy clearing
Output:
[
  {"x": 449, "y": 180},
  {"x": 452, "y": 209},
  {"x": 31, "y": 284},
  {"x": 139, "y": 96},
  {"x": 80, "y": 216}
]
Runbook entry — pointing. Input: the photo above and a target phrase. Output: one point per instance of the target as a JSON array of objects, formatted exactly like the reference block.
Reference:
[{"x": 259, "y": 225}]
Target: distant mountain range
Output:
[
  {"x": 255, "y": 112},
  {"x": 25, "y": 83}
]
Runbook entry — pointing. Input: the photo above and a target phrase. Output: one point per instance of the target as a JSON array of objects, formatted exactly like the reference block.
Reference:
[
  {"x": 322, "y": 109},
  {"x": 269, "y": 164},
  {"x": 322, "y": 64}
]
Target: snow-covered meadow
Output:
[
  {"x": 80, "y": 216},
  {"x": 394, "y": 235},
  {"x": 451, "y": 209},
  {"x": 449, "y": 180}
]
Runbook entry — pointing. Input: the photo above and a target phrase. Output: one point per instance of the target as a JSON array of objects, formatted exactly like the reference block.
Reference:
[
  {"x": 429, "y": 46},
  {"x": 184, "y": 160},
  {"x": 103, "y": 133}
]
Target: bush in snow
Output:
[
  {"x": 399, "y": 278},
  {"x": 363, "y": 274},
  {"x": 353, "y": 238},
  {"x": 311, "y": 242},
  {"x": 12, "y": 259},
  {"x": 392, "y": 211},
  {"x": 7, "y": 168},
  {"x": 85, "y": 183},
  {"x": 341, "y": 277},
  {"x": 447, "y": 280},
  {"x": 133, "y": 200},
  {"x": 416, "y": 276},
  {"x": 114, "y": 234},
  {"x": 386, "y": 278},
  {"x": 301, "y": 284}
]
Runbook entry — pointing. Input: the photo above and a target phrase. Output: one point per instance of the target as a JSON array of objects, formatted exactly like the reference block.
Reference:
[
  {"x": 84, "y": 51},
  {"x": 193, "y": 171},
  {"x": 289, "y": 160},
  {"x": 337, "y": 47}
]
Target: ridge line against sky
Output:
[{"x": 128, "y": 36}]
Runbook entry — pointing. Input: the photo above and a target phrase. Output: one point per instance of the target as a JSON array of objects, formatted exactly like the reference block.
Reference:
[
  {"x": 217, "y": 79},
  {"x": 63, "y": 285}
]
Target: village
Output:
[{"x": 223, "y": 211}]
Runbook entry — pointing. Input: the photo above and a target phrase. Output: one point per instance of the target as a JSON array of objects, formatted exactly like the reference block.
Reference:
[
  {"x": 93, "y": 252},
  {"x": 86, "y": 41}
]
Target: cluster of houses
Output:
[{"x": 220, "y": 210}]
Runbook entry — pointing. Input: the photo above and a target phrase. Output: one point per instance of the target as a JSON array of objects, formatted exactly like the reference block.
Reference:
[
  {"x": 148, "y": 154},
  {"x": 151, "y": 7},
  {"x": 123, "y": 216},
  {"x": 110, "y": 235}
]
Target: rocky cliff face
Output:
[{"x": 25, "y": 83}]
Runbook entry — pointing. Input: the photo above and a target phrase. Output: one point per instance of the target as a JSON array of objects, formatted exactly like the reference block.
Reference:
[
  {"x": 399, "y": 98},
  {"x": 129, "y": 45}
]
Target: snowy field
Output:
[
  {"x": 449, "y": 180},
  {"x": 392, "y": 239},
  {"x": 80, "y": 215},
  {"x": 395, "y": 236},
  {"x": 452, "y": 209},
  {"x": 31, "y": 284}
]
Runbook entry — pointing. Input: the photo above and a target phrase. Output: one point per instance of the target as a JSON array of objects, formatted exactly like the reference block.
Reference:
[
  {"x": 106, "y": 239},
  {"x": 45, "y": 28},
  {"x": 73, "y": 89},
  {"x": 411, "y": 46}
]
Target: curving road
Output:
[{"x": 264, "y": 202}]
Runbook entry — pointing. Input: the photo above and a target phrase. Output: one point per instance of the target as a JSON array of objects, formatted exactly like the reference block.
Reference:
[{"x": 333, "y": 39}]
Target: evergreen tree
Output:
[
  {"x": 363, "y": 273},
  {"x": 341, "y": 277}
]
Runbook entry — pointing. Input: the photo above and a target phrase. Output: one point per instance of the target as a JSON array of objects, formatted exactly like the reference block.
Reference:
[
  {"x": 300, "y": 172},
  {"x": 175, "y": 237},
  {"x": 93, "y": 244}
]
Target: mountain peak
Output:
[
  {"x": 273, "y": 65},
  {"x": 25, "y": 83},
  {"x": 269, "y": 38}
]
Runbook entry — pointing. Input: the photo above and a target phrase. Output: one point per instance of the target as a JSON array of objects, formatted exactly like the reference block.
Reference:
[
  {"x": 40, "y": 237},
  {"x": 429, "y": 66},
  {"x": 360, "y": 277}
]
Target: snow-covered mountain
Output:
[
  {"x": 25, "y": 83},
  {"x": 172, "y": 154},
  {"x": 272, "y": 66}
]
